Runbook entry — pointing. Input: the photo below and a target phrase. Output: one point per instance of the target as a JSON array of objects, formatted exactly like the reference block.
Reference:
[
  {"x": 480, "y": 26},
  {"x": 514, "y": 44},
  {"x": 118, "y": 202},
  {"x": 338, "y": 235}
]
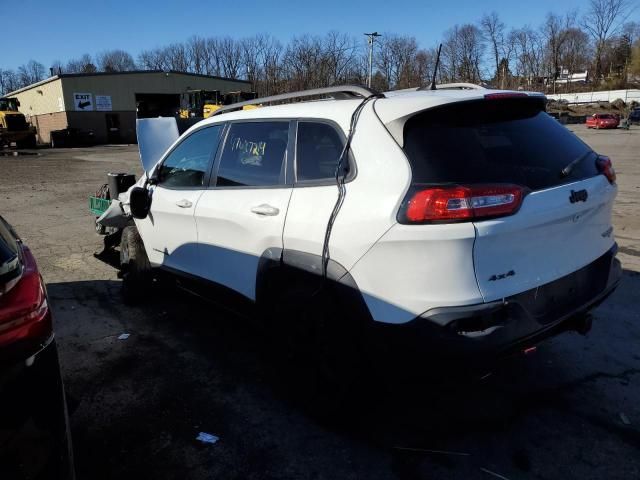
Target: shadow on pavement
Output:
[{"x": 189, "y": 366}]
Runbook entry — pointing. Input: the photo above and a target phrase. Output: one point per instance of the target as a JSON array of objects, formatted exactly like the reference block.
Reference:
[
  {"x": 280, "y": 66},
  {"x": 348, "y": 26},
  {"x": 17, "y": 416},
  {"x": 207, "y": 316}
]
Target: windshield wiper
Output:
[{"x": 566, "y": 171}]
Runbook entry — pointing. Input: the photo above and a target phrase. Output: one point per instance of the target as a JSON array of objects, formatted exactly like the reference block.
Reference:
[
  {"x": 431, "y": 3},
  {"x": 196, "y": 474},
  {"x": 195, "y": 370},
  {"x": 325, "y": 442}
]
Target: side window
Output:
[
  {"x": 318, "y": 149},
  {"x": 188, "y": 163},
  {"x": 253, "y": 154}
]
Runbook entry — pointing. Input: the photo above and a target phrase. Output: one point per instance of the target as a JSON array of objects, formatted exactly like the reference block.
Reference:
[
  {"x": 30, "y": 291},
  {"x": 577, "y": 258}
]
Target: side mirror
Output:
[{"x": 139, "y": 202}]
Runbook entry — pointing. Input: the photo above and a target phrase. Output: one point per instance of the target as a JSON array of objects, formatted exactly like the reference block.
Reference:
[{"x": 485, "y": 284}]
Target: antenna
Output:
[{"x": 435, "y": 70}]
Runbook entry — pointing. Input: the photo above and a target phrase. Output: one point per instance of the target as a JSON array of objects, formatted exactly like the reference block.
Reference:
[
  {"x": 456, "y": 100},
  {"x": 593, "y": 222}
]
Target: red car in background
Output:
[
  {"x": 34, "y": 427},
  {"x": 603, "y": 120}
]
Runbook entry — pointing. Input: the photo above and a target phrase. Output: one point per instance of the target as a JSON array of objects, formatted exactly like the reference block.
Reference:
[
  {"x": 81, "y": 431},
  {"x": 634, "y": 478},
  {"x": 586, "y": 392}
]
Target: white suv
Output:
[{"x": 464, "y": 221}]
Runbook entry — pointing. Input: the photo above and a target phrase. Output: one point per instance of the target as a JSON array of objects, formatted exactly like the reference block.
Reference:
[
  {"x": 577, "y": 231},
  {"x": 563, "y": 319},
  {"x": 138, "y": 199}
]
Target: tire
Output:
[
  {"x": 136, "y": 271},
  {"x": 321, "y": 345},
  {"x": 29, "y": 142}
]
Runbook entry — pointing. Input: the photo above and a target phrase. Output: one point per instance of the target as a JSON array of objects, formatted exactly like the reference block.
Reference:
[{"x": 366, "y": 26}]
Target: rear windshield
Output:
[{"x": 494, "y": 141}]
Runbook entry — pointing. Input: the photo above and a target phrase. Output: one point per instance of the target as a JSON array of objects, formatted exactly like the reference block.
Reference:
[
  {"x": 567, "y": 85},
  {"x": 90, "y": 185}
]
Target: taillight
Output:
[
  {"x": 24, "y": 311},
  {"x": 605, "y": 167},
  {"x": 460, "y": 203}
]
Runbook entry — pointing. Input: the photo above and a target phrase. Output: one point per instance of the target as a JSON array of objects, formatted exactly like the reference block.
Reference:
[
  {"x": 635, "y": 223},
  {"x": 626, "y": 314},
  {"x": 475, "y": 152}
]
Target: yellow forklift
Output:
[
  {"x": 203, "y": 103},
  {"x": 14, "y": 126}
]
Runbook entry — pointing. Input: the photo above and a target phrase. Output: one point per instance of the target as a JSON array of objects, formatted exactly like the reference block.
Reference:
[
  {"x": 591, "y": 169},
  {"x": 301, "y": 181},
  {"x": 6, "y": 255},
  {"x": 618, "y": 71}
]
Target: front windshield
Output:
[{"x": 8, "y": 104}]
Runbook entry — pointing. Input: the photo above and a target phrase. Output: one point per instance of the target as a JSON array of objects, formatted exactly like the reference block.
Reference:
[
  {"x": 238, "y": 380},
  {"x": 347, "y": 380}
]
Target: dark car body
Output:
[
  {"x": 634, "y": 117},
  {"x": 72, "y": 137},
  {"x": 34, "y": 431}
]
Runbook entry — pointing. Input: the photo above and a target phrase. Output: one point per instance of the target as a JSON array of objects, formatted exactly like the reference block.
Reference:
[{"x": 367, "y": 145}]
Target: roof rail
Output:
[
  {"x": 456, "y": 86},
  {"x": 340, "y": 92}
]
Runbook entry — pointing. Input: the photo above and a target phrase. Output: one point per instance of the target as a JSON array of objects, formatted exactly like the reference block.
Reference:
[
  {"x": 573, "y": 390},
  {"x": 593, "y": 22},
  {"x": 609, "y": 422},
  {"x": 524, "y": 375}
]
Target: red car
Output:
[
  {"x": 603, "y": 120},
  {"x": 34, "y": 428}
]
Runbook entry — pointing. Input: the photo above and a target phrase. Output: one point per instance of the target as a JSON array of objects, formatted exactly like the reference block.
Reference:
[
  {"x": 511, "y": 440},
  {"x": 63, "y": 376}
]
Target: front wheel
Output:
[{"x": 134, "y": 264}]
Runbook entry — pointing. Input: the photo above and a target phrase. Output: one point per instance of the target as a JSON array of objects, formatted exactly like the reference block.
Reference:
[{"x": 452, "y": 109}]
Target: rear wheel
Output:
[
  {"x": 134, "y": 264},
  {"x": 322, "y": 346}
]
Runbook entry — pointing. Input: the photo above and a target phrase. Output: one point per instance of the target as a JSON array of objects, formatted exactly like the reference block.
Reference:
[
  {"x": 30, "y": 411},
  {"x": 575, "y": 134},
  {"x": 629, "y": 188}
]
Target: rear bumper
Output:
[{"x": 493, "y": 330}]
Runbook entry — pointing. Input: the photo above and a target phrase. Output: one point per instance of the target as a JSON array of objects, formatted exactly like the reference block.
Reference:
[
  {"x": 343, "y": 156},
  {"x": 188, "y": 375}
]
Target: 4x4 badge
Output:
[
  {"x": 578, "y": 196},
  {"x": 501, "y": 276}
]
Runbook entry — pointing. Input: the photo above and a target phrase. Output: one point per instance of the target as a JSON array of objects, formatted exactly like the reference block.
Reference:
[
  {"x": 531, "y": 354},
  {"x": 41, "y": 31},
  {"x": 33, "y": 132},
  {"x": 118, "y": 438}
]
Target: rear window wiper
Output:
[{"x": 566, "y": 171}]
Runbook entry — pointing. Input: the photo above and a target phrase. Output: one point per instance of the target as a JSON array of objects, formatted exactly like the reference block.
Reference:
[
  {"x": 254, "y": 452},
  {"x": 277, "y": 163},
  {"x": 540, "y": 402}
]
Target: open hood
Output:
[{"x": 155, "y": 136}]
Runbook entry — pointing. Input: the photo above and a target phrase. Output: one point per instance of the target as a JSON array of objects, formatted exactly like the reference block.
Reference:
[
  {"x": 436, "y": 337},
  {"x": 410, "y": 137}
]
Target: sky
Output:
[{"x": 62, "y": 29}]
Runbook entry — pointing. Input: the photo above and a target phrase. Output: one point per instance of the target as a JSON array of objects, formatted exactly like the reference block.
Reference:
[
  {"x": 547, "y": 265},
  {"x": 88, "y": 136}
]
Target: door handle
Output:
[
  {"x": 184, "y": 203},
  {"x": 265, "y": 210}
]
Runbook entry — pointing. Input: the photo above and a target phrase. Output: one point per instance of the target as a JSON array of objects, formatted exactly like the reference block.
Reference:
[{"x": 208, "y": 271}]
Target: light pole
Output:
[{"x": 371, "y": 38}]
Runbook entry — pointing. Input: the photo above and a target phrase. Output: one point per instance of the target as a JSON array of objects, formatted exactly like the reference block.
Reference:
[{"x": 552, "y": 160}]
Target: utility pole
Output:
[{"x": 371, "y": 38}]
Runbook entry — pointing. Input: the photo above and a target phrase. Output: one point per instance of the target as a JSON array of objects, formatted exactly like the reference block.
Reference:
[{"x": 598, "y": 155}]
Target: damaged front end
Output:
[{"x": 110, "y": 205}]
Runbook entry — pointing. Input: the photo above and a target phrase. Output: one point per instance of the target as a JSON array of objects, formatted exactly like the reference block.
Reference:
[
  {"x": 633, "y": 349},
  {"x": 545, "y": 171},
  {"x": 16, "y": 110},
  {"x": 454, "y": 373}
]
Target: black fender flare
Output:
[{"x": 277, "y": 266}]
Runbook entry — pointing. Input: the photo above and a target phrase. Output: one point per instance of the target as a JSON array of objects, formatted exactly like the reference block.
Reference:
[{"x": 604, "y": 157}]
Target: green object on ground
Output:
[{"x": 98, "y": 205}]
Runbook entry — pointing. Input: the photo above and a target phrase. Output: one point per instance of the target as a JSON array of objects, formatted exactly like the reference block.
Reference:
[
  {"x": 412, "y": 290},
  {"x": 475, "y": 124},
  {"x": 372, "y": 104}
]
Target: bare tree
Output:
[
  {"x": 384, "y": 62},
  {"x": 272, "y": 68},
  {"x": 177, "y": 57},
  {"x": 340, "y": 51},
  {"x": 462, "y": 53},
  {"x": 9, "y": 81},
  {"x": 493, "y": 30},
  {"x": 302, "y": 63},
  {"x": 556, "y": 30},
  {"x": 154, "y": 59},
  {"x": 57, "y": 67},
  {"x": 529, "y": 51},
  {"x": 397, "y": 62},
  {"x": 252, "y": 57},
  {"x": 631, "y": 30},
  {"x": 84, "y": 64},
  {"x": 424, "y": 64},
  {"x": 31, "y": 72},
  {"x": 576, "y": 52},
  {"x": 604, "y": 20},
  {"x": 230, "y": 57},
  {"x": 197, "y": 54},
  {"x": 213, "y": 64},
  {"x": 634, "y": 67},
  {"x": 115, "y": 61}
]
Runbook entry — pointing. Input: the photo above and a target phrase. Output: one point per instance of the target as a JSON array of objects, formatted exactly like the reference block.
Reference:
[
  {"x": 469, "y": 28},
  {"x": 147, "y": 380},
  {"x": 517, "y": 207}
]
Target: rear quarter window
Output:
[
  {"x": 494, "y": 141},
  {"x": 318, "y": 150}
]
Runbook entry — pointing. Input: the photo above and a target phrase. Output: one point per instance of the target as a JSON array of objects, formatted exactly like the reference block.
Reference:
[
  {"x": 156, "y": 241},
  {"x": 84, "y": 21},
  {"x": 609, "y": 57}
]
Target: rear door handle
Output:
[
  {"x": 265, "y": 210},
  {"x": 184, "y": 203}
]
